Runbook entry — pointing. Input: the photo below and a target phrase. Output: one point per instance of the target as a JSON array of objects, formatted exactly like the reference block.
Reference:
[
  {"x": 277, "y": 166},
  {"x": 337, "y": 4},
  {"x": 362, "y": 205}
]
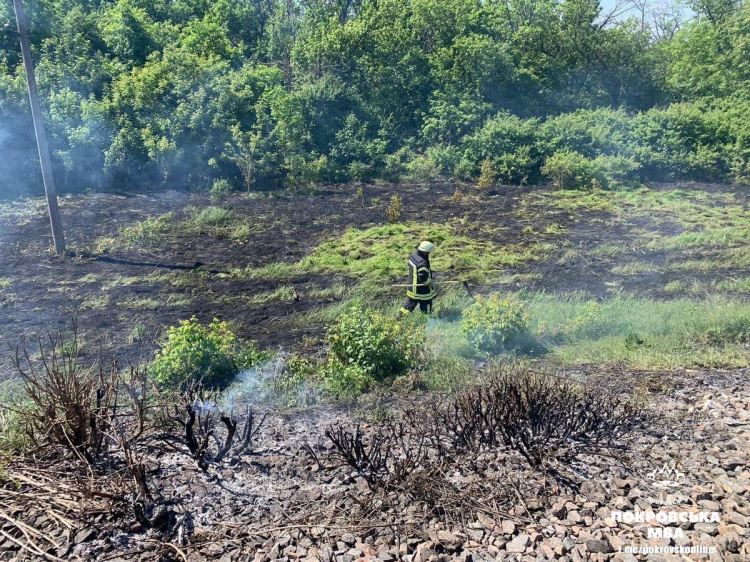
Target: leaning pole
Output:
[{"x": 41, "y": 136}]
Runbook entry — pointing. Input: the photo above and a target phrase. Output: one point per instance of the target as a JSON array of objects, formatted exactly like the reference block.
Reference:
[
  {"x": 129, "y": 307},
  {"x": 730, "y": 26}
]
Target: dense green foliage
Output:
[
  {"x": 365, "y": 348},
  {"x": 379, "y": 344},
  {"x": 494, "y": 324},
  {"x": 190, "y": 93},
  {"x": 209, "y": 353}
]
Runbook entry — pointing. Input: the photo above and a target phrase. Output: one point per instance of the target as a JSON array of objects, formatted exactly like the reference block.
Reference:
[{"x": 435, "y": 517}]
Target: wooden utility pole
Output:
[{"x": 41, "y": 137}]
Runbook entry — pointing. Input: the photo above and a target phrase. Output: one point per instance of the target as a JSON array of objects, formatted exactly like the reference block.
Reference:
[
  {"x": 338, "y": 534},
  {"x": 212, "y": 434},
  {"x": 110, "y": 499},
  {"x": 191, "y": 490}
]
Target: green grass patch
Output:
[
  {"x": 143, "y": 303},
  {"x": 740, "y": 285},
  {"x": 643, "y": 333},
  {"x": 382, "y": 251},
  {"x": 95, "y": 302},
  {"x": 610, "y": 251}
]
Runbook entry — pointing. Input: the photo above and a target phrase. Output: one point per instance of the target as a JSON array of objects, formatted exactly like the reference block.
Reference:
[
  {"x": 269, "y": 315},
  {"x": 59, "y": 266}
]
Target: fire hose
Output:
[{"x": 464, "y": 283}]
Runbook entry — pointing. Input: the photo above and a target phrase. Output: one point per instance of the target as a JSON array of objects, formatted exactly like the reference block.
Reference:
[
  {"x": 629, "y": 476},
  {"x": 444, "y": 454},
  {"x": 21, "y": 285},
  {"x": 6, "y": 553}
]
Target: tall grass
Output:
[{"x": 675, "y": 333}]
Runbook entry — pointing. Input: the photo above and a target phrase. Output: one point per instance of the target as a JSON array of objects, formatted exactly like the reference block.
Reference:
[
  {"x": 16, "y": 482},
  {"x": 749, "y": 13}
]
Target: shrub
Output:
[
  {"x": 380, "y": 345},
  {"x": 220, "y": 189},
  {"x": 518, "y": 167},
  {"x": 492, "y": 323},
  {"x": 394, "y": 165},
  {"x": 488, "y": 174},
  {"x": 502, "y": 134},
  {"x": 395, "y": 209},
  {"x": 343, "y": 382},
  {"x": 298, "y": 380},
  {"x": 422, "y": 168},
  {"x": 569, "y": 170},
  {"x": 613, "y": 171},
  {"x": 212, "y": 353},
  {"x": 302, "y": 172},
  {"x": 546, "y": 419}
]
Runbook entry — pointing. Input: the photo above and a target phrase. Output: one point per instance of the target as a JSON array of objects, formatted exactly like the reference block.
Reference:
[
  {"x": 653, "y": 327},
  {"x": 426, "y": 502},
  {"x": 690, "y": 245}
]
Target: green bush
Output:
[
  {"x": 212, "y": 353},
  {"x": 342, "y": 382},
  {"x": 518, "y": 167},
  {"x": 380, "y": 345},
  {"x": 493, "y": 323},
  {"x": 614, "y": 171},
  {"x": 569, "y": 169},
  {"x": 303, "y": 379},
  {"x": 220, "y": 189},
  {"x": 502, "y": 134}
]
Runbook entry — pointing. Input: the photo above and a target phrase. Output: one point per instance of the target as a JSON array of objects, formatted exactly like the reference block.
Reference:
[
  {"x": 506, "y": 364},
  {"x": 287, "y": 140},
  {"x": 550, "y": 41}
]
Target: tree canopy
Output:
[{"x": 262, "y": 93}]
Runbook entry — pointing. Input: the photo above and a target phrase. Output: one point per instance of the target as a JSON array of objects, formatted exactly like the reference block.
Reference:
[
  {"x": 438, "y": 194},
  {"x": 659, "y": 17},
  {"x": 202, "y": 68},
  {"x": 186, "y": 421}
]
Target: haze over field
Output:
[{"x": 377, "y": 281}]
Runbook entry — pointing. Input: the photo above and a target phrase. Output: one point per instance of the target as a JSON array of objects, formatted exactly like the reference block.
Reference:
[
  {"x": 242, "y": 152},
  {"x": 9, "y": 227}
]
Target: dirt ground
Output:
[{"x": 46, "y": 292}]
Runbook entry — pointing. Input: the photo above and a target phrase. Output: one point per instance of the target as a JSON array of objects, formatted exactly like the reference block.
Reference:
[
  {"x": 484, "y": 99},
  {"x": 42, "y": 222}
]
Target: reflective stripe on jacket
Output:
[{"x": 420, "y": 278}]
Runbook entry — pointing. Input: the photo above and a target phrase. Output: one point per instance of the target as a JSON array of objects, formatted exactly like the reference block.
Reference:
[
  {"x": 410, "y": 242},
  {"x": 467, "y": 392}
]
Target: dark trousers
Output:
[{"x": 410, "y": 304}]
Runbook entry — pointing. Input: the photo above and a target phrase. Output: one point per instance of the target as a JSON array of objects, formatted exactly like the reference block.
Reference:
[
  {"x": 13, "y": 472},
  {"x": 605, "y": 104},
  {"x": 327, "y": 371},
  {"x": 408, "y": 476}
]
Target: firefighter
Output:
[{"x": 421, "y": 290}]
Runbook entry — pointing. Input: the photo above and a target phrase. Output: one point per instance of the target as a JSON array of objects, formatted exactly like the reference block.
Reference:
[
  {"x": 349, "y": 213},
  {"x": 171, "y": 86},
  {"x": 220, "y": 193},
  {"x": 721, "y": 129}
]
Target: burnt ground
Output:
[
  {"x": 46, "y": 292},
  {"x": 285, "y": 502},
  {"x": 280, "y": 503}
]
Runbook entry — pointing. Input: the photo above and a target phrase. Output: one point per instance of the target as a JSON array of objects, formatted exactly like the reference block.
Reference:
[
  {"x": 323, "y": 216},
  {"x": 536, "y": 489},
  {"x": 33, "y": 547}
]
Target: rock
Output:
[
  {"x": 599, "y": 545},
  {"x": 622, "y": 484},
  {"x": 708, "y": 528},
  {"x": 449, "y": 540},
  {"x": 214, "y": 550},
  {"x": 732, "y": 463},
  {"x": 424, "y": 552},
  {"x": 559, "y": 509},
  {"x": 84, "y": 535},
  {"x": 594, "y": 491},
  {"x": 573, "y": 517},
  {"x": 508, "y": 527},
  {"x": 710, "y": 505},
  {"x": 349, "y": 539},
  {"x": 547, "y": 551},
  {"x": 519, "y": 544},
  {"x": 729, "y": 486}
]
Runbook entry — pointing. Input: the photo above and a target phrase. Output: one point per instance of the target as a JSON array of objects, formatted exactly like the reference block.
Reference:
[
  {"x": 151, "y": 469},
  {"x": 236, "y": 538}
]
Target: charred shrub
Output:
[
  {"x": 494, "y": 324},
  {"x": 199, "y": 415},
  {"x": 548, "y": 420},
  {"x": 91, "y": 417},
  {"x": 544, "y": 418},
  {"x": 384, "y": 457},
  {"x": 379, "y": 345},
  {"x": 67, "y": 401},
  {"x": 212, "y": 353}
]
